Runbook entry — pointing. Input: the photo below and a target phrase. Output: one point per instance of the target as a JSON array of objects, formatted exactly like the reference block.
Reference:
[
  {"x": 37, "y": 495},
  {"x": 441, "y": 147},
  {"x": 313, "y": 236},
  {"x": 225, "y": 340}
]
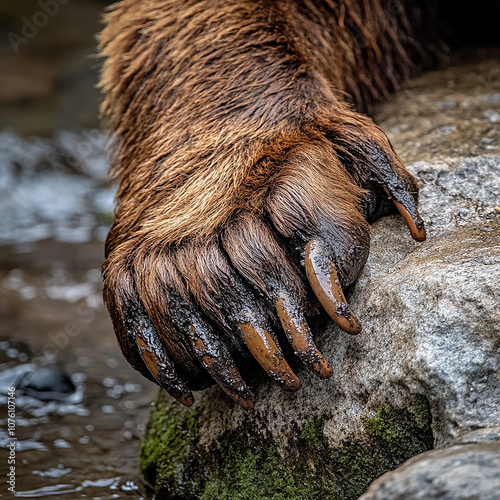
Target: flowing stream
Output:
[{"x": 55, "y": 210}]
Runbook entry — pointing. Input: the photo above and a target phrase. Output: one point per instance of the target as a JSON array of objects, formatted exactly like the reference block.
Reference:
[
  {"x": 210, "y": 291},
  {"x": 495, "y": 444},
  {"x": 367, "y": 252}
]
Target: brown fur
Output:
[{"x": 233, "y": 138}]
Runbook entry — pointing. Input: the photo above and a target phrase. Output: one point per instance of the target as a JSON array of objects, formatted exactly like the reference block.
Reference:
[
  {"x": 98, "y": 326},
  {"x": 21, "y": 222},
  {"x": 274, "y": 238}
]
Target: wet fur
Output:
[{"x": 234, "y": 137}]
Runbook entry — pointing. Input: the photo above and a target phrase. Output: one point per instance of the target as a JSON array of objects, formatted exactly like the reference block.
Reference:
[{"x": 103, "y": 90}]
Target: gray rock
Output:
[
  {"x": 464, "y": 472},
  {"x": 467, "y": 469},
  {"x": 424, "y": 371},
  {"x": 478, "y": 436}
]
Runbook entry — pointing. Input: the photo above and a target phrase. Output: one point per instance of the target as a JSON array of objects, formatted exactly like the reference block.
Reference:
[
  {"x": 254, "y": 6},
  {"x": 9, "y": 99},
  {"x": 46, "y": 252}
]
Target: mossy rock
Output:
[{"x": 249, "y": 464}]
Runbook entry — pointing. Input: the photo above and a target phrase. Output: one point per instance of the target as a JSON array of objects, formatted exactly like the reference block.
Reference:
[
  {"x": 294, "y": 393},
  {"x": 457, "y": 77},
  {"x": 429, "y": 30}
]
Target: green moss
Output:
[
  {"x": 400, "y": 431},
  {"x": 245, "y": 473},
  {"x": 313, "y": 434},
  {"x": 423, "y": 417},
  {"x": 393, "y": 435},
  {"x": 168, "y": 450},
  {"x": 354, "y": 467},
  {"x": 247, "y": 465},
  {"x": 386, "y": 427}
]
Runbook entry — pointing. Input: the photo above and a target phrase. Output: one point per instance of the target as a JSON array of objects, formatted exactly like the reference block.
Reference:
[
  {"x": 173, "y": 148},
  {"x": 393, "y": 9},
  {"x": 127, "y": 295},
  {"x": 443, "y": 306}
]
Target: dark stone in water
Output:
[
  {"x": 44, "y": 384},
  {"x": 47, "y": 384}
]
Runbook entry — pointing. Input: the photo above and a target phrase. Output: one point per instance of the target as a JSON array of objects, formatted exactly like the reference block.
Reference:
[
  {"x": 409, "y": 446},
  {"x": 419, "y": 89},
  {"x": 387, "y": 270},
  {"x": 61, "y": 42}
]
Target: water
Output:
[{"x": 56, "y": 209}]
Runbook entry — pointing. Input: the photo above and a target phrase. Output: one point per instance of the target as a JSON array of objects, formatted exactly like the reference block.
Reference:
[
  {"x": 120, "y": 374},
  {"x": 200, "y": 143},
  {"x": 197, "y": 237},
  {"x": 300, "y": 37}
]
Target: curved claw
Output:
[
  {"x": 324, "y": 281},
  {"x": 216, "y": 359},
  {"x": 268, "y": 355},
  {"x": 411, "y": 216},
  {"x": 414, "y": 222},
  {"x": 162, "y": 369},
  {"x": 300, "y": 337}
]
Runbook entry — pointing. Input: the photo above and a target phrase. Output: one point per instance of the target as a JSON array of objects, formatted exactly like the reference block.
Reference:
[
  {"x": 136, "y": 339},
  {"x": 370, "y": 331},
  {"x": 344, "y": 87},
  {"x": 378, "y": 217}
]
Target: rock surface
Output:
[
  {"x": 426, "y": 368},
  {"x": 460, "y": 472}
]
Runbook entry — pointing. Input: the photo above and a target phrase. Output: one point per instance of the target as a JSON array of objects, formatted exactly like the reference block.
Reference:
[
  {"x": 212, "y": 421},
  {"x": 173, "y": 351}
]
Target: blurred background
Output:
[{"x": 80, "y": 408}]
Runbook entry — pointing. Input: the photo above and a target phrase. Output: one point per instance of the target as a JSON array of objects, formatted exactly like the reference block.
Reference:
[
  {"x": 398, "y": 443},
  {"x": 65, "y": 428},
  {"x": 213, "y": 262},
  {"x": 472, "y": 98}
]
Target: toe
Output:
[
  {"x": 258, "y": 256},
  {"x": 300, "y": 336},
  {"x": 266, "y": 352},
  {"x": 322, "y": 276},
  {"x": 216, "y": 359},
  {"x": 154, "y": 356},
  {"x": 373, "y": 161},
  {"x": 137, "y": 335},
  {"x": 211, "y": 352}
]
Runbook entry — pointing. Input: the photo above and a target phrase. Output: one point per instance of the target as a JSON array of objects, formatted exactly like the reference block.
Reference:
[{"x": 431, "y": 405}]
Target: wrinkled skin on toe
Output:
[{"x": 246, "y": 192}]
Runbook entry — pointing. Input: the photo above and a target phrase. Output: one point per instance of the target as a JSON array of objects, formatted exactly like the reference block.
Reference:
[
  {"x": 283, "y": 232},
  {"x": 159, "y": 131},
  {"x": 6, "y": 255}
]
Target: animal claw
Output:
[
  {"x": 268, "y": 355},
  {"x": 322, "y": 276},
  {"x": 216, "y": 359},
  {"x": 300, "y": 337},
  {"x": 162, "y": 369},
  {"x": 410, "y": 214},
  {"x": 415, "y": 223}
]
